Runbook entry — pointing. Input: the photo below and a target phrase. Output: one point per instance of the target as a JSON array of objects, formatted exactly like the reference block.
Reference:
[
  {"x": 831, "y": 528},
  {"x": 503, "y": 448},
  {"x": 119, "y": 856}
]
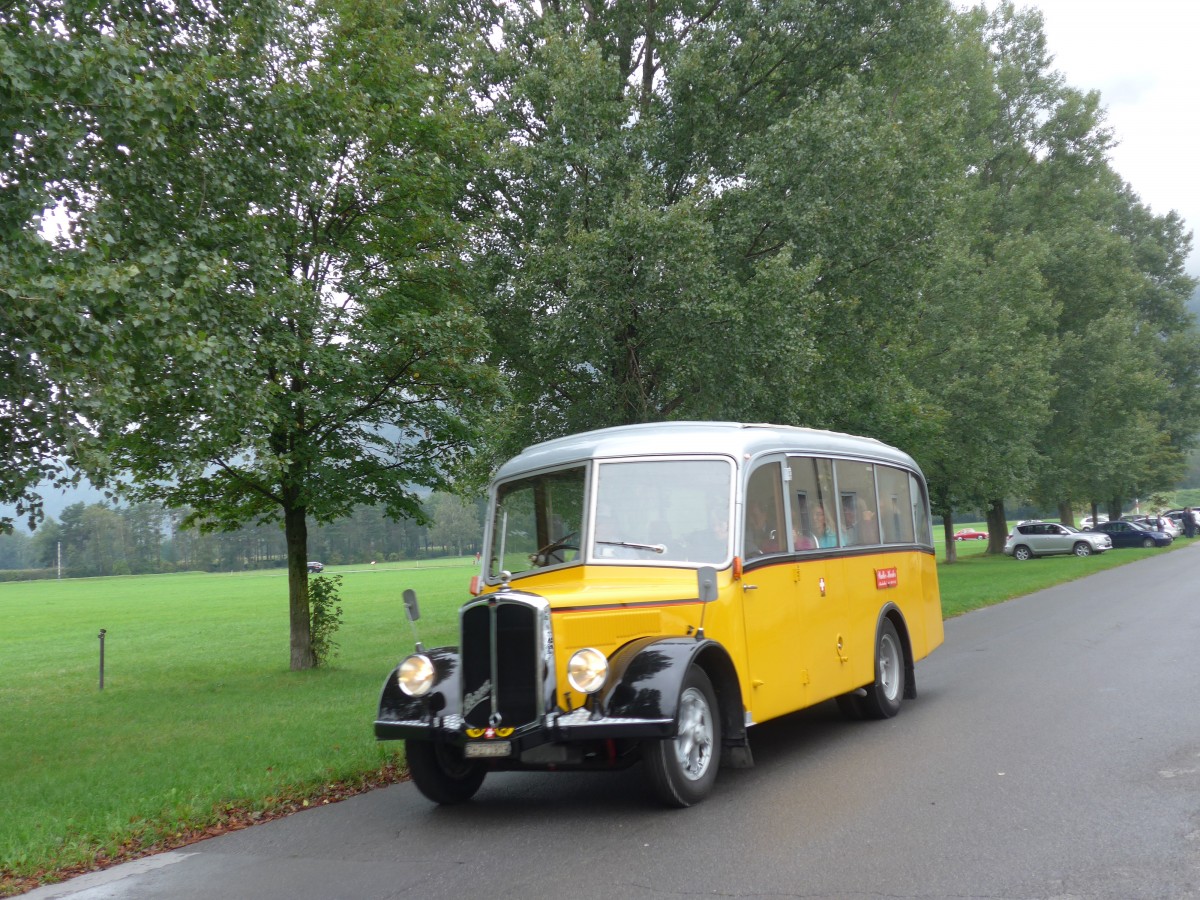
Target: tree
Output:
[
  {"x": 456, "y": 522},
  {"x": 144, "y": 533},
  {"x": 301, "y": 214},
  {"x": 1042, "y": 375},
  {"x": 702, "y": 209},
  {"x": 984, "y": 363},
  {"x": 16, "y": 551}
]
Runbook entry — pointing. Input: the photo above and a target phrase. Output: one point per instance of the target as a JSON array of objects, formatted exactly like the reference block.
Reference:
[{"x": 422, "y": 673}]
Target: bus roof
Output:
[{"x": 733, "y": 439}]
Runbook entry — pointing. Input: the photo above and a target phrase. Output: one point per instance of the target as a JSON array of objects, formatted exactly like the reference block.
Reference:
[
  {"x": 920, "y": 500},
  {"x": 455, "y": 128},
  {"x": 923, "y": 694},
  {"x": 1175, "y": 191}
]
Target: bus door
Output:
[
  {"x": 792, "y": 596},
  {"x": 822, "y": 594},
  {"x": 768, "y": 590}
]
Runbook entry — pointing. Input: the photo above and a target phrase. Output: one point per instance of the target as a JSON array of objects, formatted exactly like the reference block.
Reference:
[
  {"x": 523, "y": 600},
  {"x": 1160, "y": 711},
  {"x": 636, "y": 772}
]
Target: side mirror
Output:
[
  {"x": 410, "y": 605},
  {"x": 706, "y": 578}
]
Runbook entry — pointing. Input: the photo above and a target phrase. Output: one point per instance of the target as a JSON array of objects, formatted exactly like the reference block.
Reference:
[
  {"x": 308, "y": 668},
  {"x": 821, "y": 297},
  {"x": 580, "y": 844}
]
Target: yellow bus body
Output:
[
  {"x": 791, "y": 645},
  {"x": 648, "y": 593}
]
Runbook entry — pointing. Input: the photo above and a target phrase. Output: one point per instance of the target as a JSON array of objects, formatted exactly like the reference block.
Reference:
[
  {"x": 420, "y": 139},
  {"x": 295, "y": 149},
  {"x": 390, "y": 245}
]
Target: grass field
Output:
[
  {"x": 199, "y": 714},
  {"x": 200, "y": 721}
]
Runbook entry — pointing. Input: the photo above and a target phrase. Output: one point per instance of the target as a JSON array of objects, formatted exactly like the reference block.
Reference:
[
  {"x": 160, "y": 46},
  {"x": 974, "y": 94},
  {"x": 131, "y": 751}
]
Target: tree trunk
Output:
[
  {"x": 951, "y": 544},
  {"x": 295, "y": 531},
  {"x": 1065, "y": 513},
  {"x": 997, "y": 527}
]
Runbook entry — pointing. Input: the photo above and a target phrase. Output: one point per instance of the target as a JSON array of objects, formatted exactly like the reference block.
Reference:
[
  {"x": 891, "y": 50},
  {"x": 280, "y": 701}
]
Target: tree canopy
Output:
[
  {"x": 277, "y": 263},
  {"x": 311, "y": 256}
]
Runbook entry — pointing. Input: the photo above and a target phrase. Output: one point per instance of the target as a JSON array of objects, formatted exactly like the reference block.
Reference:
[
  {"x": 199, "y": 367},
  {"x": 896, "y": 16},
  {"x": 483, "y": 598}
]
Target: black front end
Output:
[{"x": 494, "y": 699}]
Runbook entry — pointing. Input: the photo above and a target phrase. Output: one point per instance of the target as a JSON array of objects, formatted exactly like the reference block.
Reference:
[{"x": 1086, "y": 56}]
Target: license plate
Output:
[{"x": 483, "y": 749}]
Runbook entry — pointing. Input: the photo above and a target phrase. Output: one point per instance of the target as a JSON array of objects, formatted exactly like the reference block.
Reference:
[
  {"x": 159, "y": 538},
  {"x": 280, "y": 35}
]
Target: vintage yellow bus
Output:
[{"x": 651, "y": 592}]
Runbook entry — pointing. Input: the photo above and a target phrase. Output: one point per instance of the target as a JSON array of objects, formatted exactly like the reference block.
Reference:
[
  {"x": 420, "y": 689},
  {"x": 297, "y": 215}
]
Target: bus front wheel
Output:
[
  {"x": 682, "y": 768},
  {"x": 441, "y": 773},
  {"x": 885, "y": 693}
]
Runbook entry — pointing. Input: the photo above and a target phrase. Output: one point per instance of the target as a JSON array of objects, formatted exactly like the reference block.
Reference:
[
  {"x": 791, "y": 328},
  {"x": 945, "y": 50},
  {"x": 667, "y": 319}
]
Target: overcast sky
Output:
[{"x": 1142, "y": 56}]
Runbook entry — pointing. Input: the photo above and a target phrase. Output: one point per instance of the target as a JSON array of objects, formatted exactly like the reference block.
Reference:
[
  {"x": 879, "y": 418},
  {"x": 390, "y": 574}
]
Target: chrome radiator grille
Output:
[{"x": 504, "y": 652}]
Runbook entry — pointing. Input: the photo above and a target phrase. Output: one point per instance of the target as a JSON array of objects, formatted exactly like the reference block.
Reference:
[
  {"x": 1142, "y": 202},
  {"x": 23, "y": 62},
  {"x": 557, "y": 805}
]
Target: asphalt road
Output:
[{"x": 1053, "y": 752}]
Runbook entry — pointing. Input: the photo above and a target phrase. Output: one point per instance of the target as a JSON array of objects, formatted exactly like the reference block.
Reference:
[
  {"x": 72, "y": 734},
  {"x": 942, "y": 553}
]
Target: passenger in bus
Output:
[
  {"x": 801, "y": 541},
  {"x": 761, "y": 538},
  {"x": 826, "y": 537},
  {"x": 849, "y": 527}
]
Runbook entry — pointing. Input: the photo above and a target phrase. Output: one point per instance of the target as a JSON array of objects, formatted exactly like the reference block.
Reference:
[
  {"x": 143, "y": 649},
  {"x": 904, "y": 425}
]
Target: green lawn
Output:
[
  {"x": 199, "y": 712},
  {"x": 200, "y": 715}
]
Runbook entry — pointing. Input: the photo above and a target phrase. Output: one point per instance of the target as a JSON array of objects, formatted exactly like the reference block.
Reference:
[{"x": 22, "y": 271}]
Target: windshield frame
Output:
[
  {"x": 588, "y": 554},
  {"x": 495, "y": 538}
]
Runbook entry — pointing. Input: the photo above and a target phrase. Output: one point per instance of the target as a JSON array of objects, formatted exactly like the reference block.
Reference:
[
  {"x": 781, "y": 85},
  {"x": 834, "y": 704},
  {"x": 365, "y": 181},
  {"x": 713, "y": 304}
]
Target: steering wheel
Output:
[{"x": 542, "y": 556}]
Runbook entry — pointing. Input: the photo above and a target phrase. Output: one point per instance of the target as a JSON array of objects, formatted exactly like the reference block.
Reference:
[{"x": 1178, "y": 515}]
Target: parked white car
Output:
[
  {"x": 1162, "y": 523},
  {"x": 1046, "y": 538}
]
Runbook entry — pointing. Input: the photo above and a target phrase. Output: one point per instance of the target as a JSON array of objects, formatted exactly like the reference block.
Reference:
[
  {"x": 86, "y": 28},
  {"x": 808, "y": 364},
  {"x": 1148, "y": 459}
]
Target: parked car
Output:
[
  {"x": 1132, "y": 534},
  {"x": 1088, "y": 523},
  {"x": 970, "y": 534},
  {"x": 1176, "y": 516},
  {"x": 315, "y": 567},
  {"x": 1047, "y": 538},
  {"x": 1157, "y": 523}
]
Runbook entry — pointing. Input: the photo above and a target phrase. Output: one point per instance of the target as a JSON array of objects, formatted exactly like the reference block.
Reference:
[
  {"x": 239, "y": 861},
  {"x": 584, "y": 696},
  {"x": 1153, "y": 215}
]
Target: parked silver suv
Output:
[{"x": 1046, "y": 538}]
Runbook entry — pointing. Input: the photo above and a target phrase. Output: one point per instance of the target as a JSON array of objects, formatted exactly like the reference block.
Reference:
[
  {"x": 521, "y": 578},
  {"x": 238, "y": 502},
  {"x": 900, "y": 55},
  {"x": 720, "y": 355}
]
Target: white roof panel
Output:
[{"x": 674, "y": 438}]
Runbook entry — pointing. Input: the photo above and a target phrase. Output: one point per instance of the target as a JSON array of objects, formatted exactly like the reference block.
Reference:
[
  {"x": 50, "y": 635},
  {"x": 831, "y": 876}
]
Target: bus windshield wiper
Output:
[{"x": 653, "y": 548}]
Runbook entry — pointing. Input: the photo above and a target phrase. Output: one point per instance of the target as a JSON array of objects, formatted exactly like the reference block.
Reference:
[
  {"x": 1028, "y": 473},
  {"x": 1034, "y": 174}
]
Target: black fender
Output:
[
  {"x": 892, "y": 611},
  {"x": 647, "y": 679},
  {"x": 443, "y": 699}
]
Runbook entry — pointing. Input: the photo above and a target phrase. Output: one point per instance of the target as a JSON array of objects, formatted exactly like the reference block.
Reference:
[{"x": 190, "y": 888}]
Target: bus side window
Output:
[
  {"x": 858, "y": 521},
  {"x": 811, "y": 496},
  {"x": 764, "y": 512},
  {"x": 920, "y": 511},
  {"x": 895, "y": 514}
]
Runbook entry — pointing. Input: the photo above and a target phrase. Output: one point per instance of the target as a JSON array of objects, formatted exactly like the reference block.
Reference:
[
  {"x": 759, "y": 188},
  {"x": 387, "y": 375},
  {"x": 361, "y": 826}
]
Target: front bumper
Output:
[{"x": 560, "y": 739}]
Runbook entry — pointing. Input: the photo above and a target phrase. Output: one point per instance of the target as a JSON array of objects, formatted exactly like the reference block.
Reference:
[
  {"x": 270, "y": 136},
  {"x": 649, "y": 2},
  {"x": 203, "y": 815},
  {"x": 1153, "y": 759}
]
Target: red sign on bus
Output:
[{"x": 886, "y": 578}]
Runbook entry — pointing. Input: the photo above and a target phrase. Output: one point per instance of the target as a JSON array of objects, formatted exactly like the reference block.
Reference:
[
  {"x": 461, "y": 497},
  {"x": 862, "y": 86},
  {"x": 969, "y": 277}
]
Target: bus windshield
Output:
[
  {"x": 665, "y": 511},
  {"x": 538, "y": 522}
]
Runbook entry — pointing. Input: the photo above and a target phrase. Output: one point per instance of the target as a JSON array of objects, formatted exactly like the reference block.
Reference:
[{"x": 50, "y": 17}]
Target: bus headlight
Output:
[
  {"x": 587, "y": 670},
  {"x": 416, "y": 675}
]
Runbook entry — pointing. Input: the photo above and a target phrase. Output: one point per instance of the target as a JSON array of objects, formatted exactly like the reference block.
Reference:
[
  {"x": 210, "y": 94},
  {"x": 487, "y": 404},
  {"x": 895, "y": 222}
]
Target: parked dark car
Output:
[
  {"x": 1133, "y": 534},
  {"x": 316, "y": 567}
]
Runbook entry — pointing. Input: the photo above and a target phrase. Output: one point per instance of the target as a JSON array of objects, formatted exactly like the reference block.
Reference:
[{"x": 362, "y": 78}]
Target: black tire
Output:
[
  {"x": 441, "y": 773},
  {"x": 1148, "y": 542},
  {"x": 1022, "y": 553},
  {"x": 1082, "y": 549},
  {"x": 885, "y": 693},
  {"x": 682, "y": 768}
]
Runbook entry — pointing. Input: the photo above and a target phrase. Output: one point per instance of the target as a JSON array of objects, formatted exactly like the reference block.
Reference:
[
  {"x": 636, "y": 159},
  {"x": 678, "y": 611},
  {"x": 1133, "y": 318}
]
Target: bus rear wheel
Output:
[
  {"x": 682, "y": 768},
  {"x": 885, "y": 693},
  {"x": 441, "y": 773}
]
